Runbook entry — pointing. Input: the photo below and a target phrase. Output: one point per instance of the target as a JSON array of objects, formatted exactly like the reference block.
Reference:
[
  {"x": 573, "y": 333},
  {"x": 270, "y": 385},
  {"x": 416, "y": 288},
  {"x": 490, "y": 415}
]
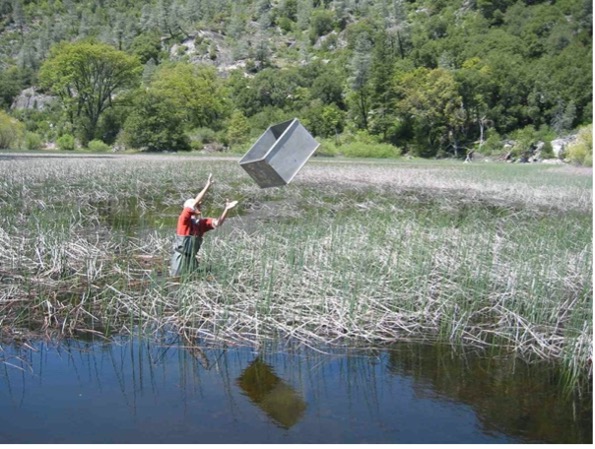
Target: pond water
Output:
[{"x": 158, "y": 391}]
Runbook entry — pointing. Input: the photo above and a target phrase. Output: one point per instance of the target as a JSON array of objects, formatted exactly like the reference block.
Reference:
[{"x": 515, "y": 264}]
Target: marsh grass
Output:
[{"x": 497, "y": 257}]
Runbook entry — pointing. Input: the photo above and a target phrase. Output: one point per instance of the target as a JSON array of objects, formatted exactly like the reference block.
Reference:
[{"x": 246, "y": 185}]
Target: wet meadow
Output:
[{"x": 490, "y": 257}]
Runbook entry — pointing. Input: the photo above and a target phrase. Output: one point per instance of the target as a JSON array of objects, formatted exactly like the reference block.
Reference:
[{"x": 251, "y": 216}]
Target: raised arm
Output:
[
  {"x": 228, "y": 206},
  {"x": 203, "y": 192}
]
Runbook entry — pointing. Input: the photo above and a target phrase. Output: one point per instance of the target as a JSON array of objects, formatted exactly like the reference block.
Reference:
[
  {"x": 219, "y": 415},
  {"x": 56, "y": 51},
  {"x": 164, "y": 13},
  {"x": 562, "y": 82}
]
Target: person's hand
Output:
[
  {"x": 210, "y": 180},
  {"x": 230, "y": 204}
]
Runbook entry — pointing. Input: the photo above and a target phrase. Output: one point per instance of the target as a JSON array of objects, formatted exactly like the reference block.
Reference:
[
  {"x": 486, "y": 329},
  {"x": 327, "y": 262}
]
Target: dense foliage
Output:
[{"x": 431, "y": 77}]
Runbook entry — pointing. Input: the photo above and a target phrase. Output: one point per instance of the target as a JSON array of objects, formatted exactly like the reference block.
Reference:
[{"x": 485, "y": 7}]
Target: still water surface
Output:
[{"x": 137, "y": 391}]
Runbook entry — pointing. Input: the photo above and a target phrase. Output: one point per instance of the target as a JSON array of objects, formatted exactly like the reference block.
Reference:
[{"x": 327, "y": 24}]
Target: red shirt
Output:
[{"x": 187, "y": 227}]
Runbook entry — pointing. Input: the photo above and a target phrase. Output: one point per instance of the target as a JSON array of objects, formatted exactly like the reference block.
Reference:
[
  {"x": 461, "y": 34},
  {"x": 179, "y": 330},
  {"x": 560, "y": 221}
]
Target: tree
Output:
[
  {"x": 262, "y": 52},
  {"x": 147, "y": 46},
  {"x": 381, "y": 70},
  {"x": 86, "y": 76},
  {"x": 360, "y": 80},
  {"x": 324, "y": 120},
  {"x": 196, "y": 90},
  {"x": 304, "y": 11},
  {"x": 475, "y": 88},
  {"x": 430, "y": 99},
  {"x": 10, "y": 86},
  {"x": 156, "y": 124},
  {"x": 401, "y": 26},
  {"x": 238, "y": 128},
  {"x": 562, "y": 80},
  {"x": 269, "y": 88},
  {"x": 328, "y": 88},
  {"x": 321, "y": 24},
  {"x": 18, "y": 16},
  {"x": 494, "y": 9}
]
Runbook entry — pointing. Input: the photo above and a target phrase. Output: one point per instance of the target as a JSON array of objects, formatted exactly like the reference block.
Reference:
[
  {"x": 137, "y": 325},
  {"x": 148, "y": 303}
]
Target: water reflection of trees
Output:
[{"x": 508, "y": 395}]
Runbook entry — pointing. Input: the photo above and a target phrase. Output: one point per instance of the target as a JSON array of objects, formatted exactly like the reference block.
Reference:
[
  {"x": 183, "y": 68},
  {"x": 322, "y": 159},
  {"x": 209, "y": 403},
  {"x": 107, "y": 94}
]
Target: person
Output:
[{"x": 190, "y": 230}]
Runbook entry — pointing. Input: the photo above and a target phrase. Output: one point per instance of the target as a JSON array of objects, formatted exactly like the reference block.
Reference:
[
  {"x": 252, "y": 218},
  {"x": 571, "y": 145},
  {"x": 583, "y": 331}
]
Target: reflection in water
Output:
[
  {"x": 508, "y": 395},
  {"x": 135, "y": 391},
  {"x": 277, "y": 399}
]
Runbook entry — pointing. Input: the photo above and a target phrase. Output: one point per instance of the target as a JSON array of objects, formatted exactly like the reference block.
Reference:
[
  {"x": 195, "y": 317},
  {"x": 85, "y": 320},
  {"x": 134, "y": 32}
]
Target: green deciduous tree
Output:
[
  {"x": 476, "y": 88},
  {"x": 430, "y": 99},
  {"x": 269, "y": 88},
  {"x": 147, "y": 46},
  {"x": 494, "y": 9},
  {"x": 10, "y": 86},
  {"x": 156, "y": 123},
  {"x": 560, "y": 81},
  {"x": 324, "y": 120},
  {"x": 87, "y": 76},
  {"x": 328, "y": 87},
  {"x": 196, "y": 90}
]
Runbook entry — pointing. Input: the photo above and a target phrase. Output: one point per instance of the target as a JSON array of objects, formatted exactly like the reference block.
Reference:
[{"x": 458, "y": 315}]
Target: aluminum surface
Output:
[{"x": 279, "y": 154}]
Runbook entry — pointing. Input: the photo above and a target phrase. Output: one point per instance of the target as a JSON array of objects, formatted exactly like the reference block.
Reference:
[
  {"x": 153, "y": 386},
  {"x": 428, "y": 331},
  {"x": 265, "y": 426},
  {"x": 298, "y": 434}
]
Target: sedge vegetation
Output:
[{"x": 351, "y": 253}]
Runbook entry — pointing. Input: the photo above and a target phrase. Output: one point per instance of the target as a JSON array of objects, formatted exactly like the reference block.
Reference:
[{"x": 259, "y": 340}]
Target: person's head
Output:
[{"x": 192, "y": 205}]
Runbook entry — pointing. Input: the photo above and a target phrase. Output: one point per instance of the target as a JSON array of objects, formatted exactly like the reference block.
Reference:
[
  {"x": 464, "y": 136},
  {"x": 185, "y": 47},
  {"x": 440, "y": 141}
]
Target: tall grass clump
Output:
[{"x": 496, "y": 257}]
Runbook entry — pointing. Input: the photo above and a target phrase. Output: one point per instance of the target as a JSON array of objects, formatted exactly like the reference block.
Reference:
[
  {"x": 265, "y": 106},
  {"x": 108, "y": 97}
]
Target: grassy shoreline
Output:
[{"x": 493, "y": 256}]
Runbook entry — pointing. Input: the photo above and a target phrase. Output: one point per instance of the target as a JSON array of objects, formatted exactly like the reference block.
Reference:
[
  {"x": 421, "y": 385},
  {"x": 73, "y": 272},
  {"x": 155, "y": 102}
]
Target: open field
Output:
[{"x": 489, "y": 255}]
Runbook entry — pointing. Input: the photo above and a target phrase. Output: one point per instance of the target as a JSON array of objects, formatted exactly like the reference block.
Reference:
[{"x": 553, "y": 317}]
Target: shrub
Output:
[
  {"x": 493, "y": 145},
  {"x": 322, "y": 22},
  {"x": 66, "y": 142},
  {"x": 328, "y": 147},
  {"x": 269, "y": 115},
  {"x": 32, "y": 141},
  {"x": 376, "y": 150},
  {"x": 581, "y": 151},
  {"x": 547, "y": 152},
  {"x": 98, "y": 146},
  {"x": 360, "y": 144},
  {"x": 285, "y": 24},
  {"x": 523, "y": 139},
  {"x": 199, "y": 137},
  {"x": 11, "y": 131}
]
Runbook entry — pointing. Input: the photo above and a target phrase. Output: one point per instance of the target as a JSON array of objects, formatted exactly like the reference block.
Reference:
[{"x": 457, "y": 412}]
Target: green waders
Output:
[{"x": 183, "y": 260}]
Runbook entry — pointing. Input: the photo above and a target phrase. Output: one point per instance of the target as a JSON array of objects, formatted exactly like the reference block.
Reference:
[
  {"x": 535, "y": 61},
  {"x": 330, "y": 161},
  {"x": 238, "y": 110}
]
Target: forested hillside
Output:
[{"x": 367, "y": 77}]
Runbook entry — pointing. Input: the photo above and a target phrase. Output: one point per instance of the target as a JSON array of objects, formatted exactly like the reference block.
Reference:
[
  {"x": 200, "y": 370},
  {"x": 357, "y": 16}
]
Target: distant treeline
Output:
[{"x": 428, "y": 77}]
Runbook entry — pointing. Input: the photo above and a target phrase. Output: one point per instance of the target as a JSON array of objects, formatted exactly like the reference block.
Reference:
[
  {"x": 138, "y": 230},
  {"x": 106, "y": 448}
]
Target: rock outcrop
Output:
[{"x": 31, "y": 99}]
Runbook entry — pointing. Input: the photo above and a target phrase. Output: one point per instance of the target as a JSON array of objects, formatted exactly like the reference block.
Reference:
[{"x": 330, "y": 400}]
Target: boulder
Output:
[{"x": 558, "y": 147}]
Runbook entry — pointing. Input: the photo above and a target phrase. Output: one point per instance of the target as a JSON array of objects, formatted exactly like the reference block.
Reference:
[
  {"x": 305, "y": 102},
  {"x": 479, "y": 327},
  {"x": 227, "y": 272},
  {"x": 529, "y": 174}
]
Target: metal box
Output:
[{"x": 279, "y": 154}]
